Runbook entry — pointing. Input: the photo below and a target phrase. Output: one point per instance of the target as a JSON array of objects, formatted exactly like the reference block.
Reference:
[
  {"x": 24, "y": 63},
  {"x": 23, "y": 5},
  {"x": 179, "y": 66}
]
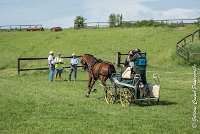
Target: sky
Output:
[{"x": 51, "y": 13}]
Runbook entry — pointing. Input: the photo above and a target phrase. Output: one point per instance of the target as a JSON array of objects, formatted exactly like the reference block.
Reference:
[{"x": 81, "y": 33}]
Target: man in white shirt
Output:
[
  {"x": 51, "y": 63},
  {"x": 73, "y": 68}
]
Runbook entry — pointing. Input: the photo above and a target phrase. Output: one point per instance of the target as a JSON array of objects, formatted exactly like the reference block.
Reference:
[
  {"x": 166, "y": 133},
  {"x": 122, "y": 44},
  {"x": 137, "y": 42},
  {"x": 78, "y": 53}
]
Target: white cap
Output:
[
  {"x": 73, "y": 54},
  {"x": 50, "y": 52}
]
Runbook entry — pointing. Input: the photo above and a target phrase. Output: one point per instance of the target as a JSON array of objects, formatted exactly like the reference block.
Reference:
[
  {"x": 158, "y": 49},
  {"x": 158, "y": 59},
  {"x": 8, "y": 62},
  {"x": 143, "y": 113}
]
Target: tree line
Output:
[{"x": 116, "y": 20}]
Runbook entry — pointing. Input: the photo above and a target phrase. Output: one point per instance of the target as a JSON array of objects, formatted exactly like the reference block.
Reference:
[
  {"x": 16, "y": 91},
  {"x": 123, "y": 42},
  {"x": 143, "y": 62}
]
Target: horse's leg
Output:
[
  {"x": 89, "y": 85},
  {"x": 103, "y": 81}
]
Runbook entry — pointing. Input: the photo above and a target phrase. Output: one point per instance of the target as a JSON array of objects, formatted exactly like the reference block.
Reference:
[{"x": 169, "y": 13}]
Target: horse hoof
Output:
[{"x": 87, "y": 95}]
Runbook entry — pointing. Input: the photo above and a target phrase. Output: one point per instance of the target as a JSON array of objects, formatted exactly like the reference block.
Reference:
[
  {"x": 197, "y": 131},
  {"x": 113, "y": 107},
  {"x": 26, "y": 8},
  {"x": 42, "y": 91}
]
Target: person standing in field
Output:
[
  {"x": 59, "y": 66},
  {"x": 73, "y": 67},
  {"x": 51, "y": 63}
]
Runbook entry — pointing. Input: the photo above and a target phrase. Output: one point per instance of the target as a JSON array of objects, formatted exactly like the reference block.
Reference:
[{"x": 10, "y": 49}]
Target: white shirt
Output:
[
  {"x": 74, "y": 61},
  {"x": 51, "y": 60}
]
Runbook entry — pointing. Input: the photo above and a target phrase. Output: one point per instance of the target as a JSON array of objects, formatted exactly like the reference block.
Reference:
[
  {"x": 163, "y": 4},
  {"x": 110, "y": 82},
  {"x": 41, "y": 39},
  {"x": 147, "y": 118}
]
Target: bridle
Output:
[{"x": 89, "y": 65}]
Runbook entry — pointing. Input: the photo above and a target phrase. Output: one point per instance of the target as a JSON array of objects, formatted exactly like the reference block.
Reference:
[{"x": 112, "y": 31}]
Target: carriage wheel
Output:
[
  {"x": 125, "y": 97},
  {"x": 110, "y": 95}
]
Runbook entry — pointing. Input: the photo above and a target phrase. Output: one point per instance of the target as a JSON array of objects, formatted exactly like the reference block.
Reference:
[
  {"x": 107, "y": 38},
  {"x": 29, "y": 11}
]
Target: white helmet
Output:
[
  {"x": 73, "y": 54},
  {"x": 50, "y": 52}
]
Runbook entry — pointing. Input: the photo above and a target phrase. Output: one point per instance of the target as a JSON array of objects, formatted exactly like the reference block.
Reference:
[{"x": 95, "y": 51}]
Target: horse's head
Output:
[
  {"x": 84, "y": 63},
  {"x": 86, "y": 60}
]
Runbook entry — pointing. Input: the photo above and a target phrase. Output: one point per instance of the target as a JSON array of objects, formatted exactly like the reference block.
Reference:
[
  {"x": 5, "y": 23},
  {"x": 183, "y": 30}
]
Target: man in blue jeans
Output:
[
  {"x": 51, "y": 63},
  {"x": 73, "y": 67}
]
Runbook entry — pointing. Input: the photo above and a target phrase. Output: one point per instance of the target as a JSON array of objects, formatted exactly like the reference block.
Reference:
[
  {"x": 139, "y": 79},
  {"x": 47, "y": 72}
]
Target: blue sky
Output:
[{"x": 52, "y": 13}]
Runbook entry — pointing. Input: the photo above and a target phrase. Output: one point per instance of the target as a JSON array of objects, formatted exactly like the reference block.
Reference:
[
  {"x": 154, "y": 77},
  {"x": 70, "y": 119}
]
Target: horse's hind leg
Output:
[{"x": 103, "y": 80}]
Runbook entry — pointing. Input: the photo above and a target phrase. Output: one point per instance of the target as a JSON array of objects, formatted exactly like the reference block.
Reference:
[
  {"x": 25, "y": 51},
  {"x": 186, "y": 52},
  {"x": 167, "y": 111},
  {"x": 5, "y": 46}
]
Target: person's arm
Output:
[
  {"x": 62, "y": 62},
  {"x": 133, "y": 58},
  {"x": 128, "y": 58},
  {"x": 56, "y": 60},
  {"x": 49, "y": 62},
  {"x": 71, "y": 62}
]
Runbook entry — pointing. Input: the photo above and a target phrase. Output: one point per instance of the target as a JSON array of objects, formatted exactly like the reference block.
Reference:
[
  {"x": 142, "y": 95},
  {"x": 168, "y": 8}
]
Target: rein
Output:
[{"x": 91, "y": 66}]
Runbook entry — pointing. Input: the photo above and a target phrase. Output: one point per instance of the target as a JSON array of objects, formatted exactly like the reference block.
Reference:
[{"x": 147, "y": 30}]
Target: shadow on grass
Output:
[
  {"x": 77, "y": 80},
  {"x": 154, "y": 103},
  {"x": 144, "y": 103}
]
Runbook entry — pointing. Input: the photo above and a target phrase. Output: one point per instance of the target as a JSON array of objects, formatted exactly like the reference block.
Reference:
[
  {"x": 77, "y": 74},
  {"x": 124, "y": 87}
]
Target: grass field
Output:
[{"x": 31, "y": 104}]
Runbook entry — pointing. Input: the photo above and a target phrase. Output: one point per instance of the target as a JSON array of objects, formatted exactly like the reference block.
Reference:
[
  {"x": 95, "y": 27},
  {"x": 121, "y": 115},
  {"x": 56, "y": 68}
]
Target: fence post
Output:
[
  {"x": 192, "y": 37},
  {"x": 118, "y": 59},
  {"x": 188, "y": 56},
  {"x": 18, "y": 66},
  {"x": 184, "y": 41}
]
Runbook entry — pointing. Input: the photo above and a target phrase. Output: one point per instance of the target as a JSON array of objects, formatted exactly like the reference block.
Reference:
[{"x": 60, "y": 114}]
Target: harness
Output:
[{"x": 90, "y": 67}]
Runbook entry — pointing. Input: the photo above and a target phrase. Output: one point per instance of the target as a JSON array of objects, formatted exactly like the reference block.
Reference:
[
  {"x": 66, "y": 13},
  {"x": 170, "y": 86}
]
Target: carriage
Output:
[{"x": 124, "y": 89}]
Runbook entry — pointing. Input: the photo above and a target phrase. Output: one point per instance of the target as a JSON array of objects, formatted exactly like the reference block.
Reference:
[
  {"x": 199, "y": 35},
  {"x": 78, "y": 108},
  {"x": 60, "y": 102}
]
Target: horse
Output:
[{"x": 97, "y": 69}]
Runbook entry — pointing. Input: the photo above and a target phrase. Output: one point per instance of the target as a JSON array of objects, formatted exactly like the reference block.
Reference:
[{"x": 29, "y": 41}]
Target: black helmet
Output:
[{"x": 137, "y": 50}]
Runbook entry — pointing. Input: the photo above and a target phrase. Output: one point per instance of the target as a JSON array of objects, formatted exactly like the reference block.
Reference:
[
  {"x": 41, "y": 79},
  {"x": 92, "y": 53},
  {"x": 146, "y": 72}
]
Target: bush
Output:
[
  {"x": 194, "y": 47},
  {"x": 150, "y": 23},
  {"x": 143, "y": 23}
]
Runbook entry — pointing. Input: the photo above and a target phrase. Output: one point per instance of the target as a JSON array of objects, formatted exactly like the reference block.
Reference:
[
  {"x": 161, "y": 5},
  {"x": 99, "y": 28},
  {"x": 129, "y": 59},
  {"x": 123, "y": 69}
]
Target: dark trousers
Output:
[
  {"x": 142, "y": 73},
  {"x": 72, "y": 69}
]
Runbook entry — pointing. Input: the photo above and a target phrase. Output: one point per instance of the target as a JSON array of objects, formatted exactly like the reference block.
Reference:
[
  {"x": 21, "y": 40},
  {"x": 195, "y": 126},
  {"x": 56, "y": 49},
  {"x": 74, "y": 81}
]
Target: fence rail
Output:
[
  {"x": 19, "y": 69},
  {"x": 164, "y": 21},
  {"x": 18, "y": 27},
  {"x": 180, "y": 46}
]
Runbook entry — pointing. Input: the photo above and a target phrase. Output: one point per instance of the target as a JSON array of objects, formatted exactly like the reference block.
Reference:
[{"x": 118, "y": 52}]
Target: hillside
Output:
[{"x": 159, "y": 43}]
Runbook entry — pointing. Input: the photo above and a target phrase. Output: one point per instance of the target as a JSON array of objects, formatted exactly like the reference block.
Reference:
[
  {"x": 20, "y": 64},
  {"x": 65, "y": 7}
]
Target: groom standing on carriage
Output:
[{"x": 140, "y": 70}]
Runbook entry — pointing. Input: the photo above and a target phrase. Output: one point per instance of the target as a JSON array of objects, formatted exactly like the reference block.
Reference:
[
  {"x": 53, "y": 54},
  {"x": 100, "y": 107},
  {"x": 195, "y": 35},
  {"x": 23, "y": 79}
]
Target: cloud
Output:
[
  {"x": 102, "y": 9},
  {"x": 134, "y": 10},
  {"x": 62, "y": 12},
  {"x": 62, "y": 22},
  {"x": 180, "y": 13}
]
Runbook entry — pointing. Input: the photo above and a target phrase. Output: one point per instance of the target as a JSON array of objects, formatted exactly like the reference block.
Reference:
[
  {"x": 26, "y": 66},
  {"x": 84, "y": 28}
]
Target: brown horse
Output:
[{"x": 97, "y": 69}]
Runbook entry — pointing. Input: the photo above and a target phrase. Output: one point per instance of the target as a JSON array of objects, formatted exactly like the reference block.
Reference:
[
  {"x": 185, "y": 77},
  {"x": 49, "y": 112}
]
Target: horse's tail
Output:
[{"x": 111, "y": 70}]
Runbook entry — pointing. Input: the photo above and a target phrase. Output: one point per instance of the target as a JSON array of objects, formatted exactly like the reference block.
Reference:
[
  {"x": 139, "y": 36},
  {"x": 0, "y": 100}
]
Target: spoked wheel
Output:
[
  {"x": 125, "y": 97},
  {"x": 110, "y": 95}
]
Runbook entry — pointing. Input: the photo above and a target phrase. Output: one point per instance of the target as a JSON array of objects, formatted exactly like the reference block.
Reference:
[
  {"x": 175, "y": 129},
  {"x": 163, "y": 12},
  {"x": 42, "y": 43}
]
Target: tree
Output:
[
  {"x": 115, "y": 20},
  {"x": 112, "y": 20},
  {"x": 79, "y": 22},
  {"x": 118, "y": 19}
]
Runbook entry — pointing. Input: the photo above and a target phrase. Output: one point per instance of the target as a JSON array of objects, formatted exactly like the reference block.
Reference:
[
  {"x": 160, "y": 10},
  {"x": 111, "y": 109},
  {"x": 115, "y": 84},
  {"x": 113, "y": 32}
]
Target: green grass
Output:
[{"x": 31, "y": 104}]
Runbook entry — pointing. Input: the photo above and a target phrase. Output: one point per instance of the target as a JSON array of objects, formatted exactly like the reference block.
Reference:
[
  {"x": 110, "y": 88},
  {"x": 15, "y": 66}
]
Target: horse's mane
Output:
[
  {"x": 88, "y": 55},
  {"x": 91, "y": 56},
  {"x": 98, "y": 59}
]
